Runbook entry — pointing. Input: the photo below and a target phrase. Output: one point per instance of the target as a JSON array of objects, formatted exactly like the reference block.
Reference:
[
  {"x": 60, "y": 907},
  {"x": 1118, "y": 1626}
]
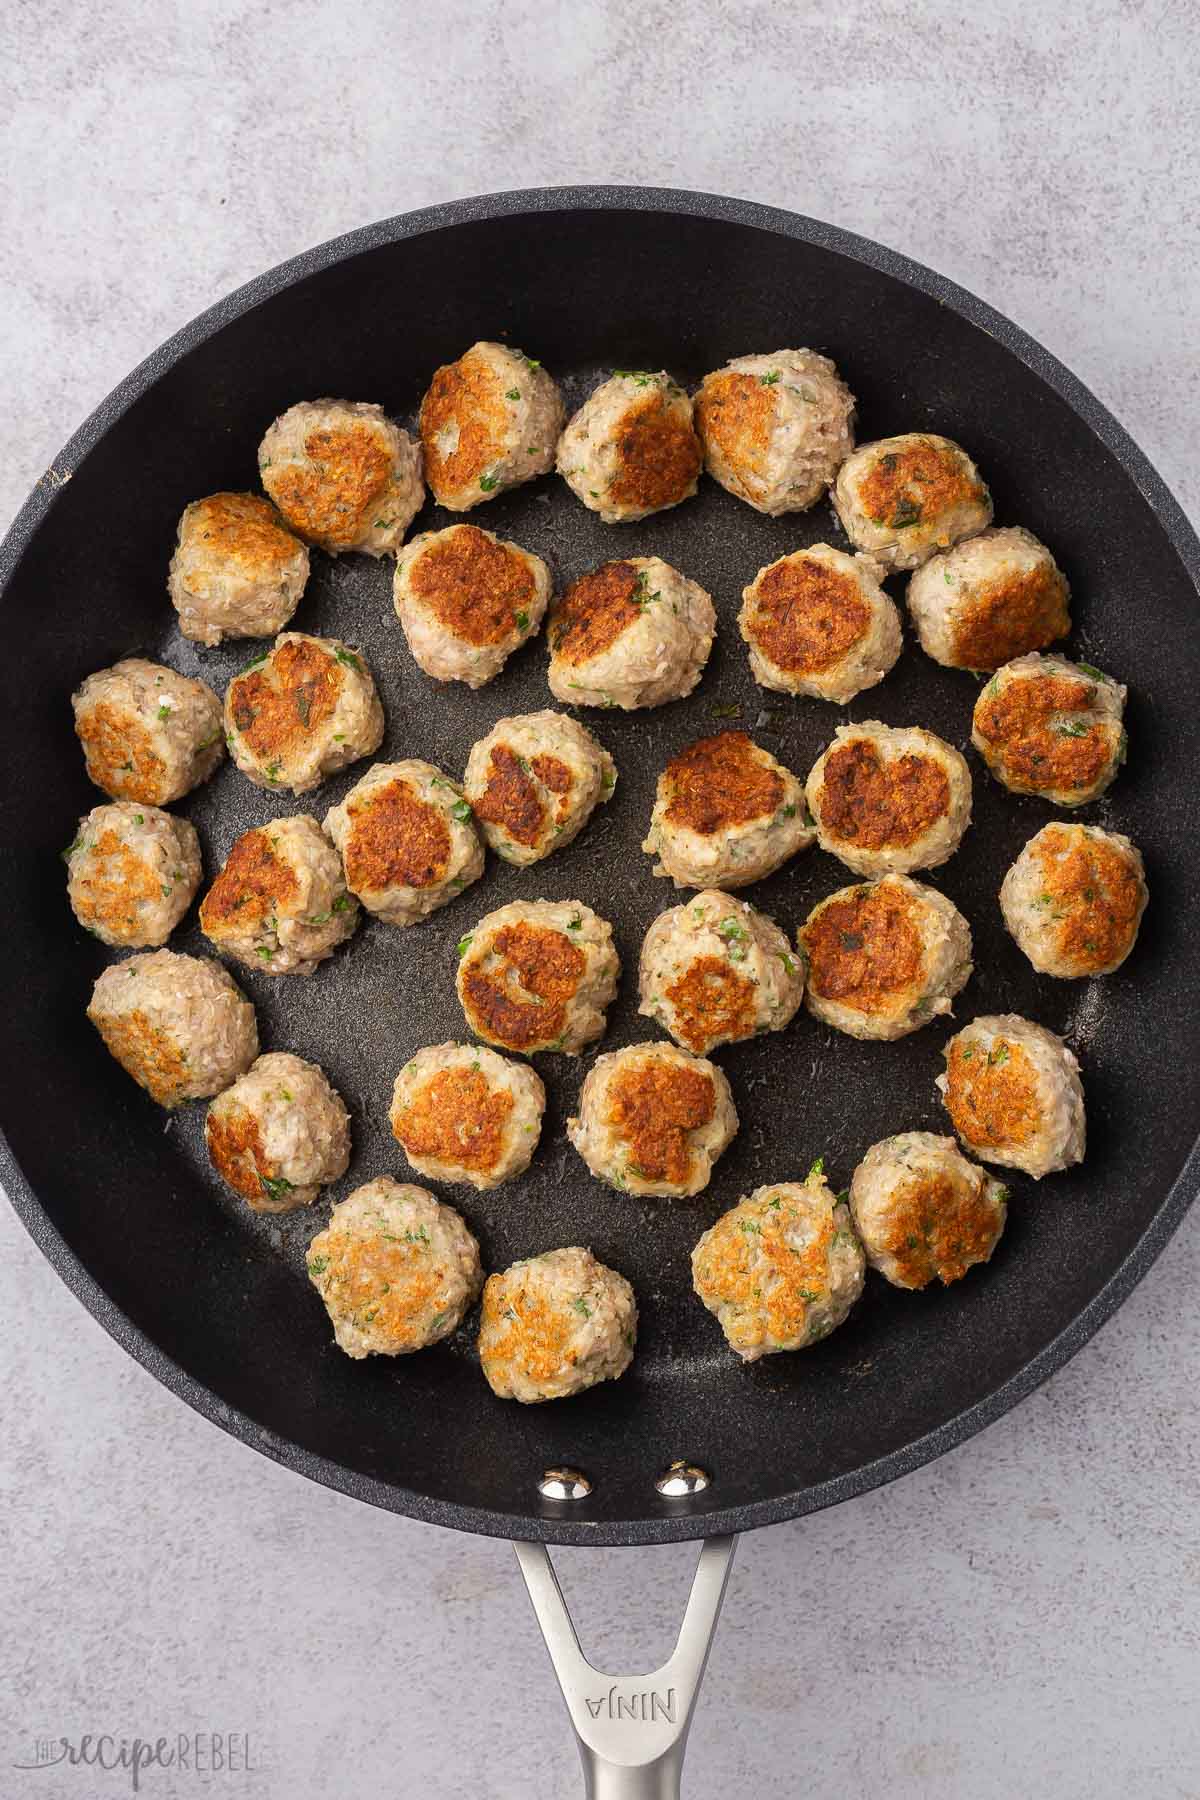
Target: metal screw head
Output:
[
  {"x": 682, "y": 1479},
  {"x": 564, "y": 1484}
]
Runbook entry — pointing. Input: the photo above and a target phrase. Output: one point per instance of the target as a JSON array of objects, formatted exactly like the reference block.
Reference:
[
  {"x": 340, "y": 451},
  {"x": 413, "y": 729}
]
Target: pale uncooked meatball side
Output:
[
  {"x": 538, "y": 975},
  {"x": 902, "y": 498},
  {"x": 280, "y": 904},
  {"x": 818, "y": 623},
  {"x": 1050, "y": 727},
  {"x": 462, "y": 1113},
  {"x": 631, "y": 449},
  {"x": 884, "y": 958},
  {"x": 1014, "y": 1096},
  {"x": 994, "y": 597},
  {"x": 630, "y": 634},
  {"x": 179, "y": 1025},
  {"x": 466, "y": 600},
  {"x": 1074, "y": 900},
  {"x": 554, "y": 1325},
  {"x": 343, "y": 475},
  {"x": 653, "y": 1119},
  {"x": 396, "y": 1269},
  {"x": 714, "y": 971},
  {"x": 237, "y": 571},
  {"x": 889, "y": 799},
  {"x": 132, "y": 873},
  {"x": 726, "y": 814},
  {"x": 489, "y": 422},
  {"x": 280, "y": 1134},
  {"x": 776, "y": 428},
  {"x": 923, "y": 1212},
  {"x": 533, "y": 783},
  {"x": 407, "y": 840},
  {"x": 147, "y": 733},
  {"x": 302, "y": 711},
  {"x": 782, "y": 1268}
]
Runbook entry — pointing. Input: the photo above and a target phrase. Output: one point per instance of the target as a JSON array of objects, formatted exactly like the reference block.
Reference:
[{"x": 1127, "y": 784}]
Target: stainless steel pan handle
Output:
[{"x": 631, "y": 1729}]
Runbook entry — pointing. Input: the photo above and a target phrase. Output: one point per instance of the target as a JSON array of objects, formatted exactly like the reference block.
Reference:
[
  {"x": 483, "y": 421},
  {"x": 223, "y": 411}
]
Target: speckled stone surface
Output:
[{"x": 1020, "y": 1618}]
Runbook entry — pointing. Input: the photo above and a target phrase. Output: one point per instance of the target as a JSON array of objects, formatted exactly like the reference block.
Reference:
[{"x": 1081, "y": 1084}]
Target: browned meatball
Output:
[
  {"x": 148, "y": 733},
  {"x": 1051, "y": 727},
  {"x": 236, "y": 572},
  {"x": 653, "y": 1120},
  {"x": 888, "y": 799},
  {"x": 533, "y": 782},
  {"x": 343, "y": 475},
  {"x": 280, "y": 903},
  {"x": 462, "y": 1113},
  {"x": 1074, "y": 900},
  {"x": 818, "y": 623},
  {"x": 631, "y": 449},
  {"x": 726, "y": 814},
  {"x": 885, "y": 958},
  {"x": 301, "y": 711},
  {"x": 538, "y": 975},
  {"x": 997, "y": 596},
  {"x": 489, "y": 422},
  {"x": 630, "y": 634},
  {"x": 467, "y": 600},
  {"x": 407, "y": 840}
]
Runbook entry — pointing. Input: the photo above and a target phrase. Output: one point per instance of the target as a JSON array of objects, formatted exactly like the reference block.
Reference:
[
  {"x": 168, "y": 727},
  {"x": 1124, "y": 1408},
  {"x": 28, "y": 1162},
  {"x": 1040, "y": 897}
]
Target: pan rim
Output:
[{"x": 672, "y": 1525}]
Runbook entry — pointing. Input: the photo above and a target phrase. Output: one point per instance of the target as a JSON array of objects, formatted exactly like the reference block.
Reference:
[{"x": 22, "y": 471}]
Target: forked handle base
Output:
[{"x": 631, "y": 1729}]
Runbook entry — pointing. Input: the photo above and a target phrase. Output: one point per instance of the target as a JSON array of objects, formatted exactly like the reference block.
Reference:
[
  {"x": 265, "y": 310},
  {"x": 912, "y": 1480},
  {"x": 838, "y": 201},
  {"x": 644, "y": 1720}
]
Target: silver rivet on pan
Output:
[
  {"x": 682, "y": 1479},
  {"x": 564, "y": 1484}
]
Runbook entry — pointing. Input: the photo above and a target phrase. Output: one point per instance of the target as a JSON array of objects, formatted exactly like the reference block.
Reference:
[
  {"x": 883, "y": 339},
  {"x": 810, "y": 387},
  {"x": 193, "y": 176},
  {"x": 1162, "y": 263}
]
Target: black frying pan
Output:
[{"x": 215, "y": 1302}]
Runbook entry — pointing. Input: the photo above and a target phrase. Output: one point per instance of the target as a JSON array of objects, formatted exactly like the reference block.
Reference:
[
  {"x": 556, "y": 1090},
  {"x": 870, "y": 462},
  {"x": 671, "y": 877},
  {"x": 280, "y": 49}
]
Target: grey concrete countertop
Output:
[{"x": 1018, "y": 1619}]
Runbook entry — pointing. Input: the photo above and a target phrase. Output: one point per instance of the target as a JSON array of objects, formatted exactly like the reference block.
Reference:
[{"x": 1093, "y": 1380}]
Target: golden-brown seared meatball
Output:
[
  {"x": 776, "y": 428},
  {"x": 653, "y": 1120},
  {"x": 148, "y": 734},
  {"x": 990, "y": 599},
  {"x": 630, "y": 634},
  {"x": 714, "y": 971},
  {"x": 467, "y": 600},
  {"x": 462, "y": 1113},
  {"x": 725, "y": 814},
  {"x": 1047, "y": 726},
  {"x": 396, "y": 1269},
  {"x": 782, "y": 1268},
  {"x": 923, "y": 1212},
  {"x": 342, "y": 475},
  {"x": 237, "y": 571},
  {"x": 1074, "y": 900},
  {"x": 818, "y": 623},
  {"x": 131, "y": 873},
  {"x": 489, "y": 422},
  {"x": 538, "y": 975},
  {"x": 1014, "y": 1096},
  {"x": 301, "y": 711},
  {"x": 178, "y": 1024},
  {"x": 280, "y": 903},
  {"x": 533, "y": 783},
  {"x": 902, "y": 498},
  {"x": 279, "y": 1134},
  {"x": 407, "y": 840},
  {"x": 631, "y": 449},
  {"x": 554, "y": 1325},
  {"x": 884, "y": 958},
  {"x": 888, "y": 799}
]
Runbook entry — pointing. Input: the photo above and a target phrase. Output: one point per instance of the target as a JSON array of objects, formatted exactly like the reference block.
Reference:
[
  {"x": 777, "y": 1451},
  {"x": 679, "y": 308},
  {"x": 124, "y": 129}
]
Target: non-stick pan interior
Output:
[{"x": 223, "y": 1295}]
